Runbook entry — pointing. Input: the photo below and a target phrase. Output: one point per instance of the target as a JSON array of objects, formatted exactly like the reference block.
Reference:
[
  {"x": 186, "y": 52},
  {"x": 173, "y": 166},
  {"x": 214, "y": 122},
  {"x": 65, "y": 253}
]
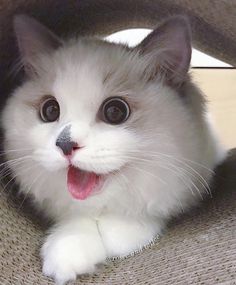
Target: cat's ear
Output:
[
  {"x": 168, "y": 50},
  {"x": 33, "y": 40}
]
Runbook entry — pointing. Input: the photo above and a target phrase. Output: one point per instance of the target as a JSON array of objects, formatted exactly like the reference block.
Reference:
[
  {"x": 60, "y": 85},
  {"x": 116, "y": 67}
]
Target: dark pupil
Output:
[
  {"x": 115, "y": 112},
  {"x": 51, "y": 111}
]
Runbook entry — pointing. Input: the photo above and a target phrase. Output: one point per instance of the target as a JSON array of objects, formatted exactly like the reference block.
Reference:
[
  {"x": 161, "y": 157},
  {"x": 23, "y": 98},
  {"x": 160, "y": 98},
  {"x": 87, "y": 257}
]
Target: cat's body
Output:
[{"x": 152, "y": 166}]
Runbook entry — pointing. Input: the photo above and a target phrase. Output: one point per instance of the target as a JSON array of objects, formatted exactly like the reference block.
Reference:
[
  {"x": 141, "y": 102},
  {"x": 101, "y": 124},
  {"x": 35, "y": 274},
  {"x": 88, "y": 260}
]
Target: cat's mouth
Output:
[{"x": 81, "y": 184}]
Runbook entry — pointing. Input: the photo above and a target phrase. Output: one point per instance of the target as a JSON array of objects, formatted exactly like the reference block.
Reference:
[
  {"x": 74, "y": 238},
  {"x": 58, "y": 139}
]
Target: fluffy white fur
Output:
[{"x": 156, "y": 164}]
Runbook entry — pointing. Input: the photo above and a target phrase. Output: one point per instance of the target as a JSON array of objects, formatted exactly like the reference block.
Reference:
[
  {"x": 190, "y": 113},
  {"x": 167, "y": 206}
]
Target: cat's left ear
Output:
[
  {"x": 168, "y": 50},
  {"x": 33, "y": 39}
]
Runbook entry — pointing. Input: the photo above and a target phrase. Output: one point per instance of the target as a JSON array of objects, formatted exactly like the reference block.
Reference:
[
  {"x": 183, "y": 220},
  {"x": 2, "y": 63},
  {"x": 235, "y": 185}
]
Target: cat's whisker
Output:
[
  {"x": 129, "y": 186},
  {"x": 191, "y": 174},
  {"x": 152, "y": 153},
  {"x": 184, "y": 161},
  {"x": 197, "y": 175},
  {"x": 29, "y": 189},
  {"x": 178, "y": 171},
  {"x": 16, "y": 160},
  {"x": 160, "y": 164},
  {"x": 11, "y": 180},
  {"x": 15, "y": 150},
  {"x": 5, "y": 155},
  {"x": 20, "y": 172},
  {"x": 181, "y": 206},
  {"x": 147, "y": 172},
  {"x": 191, "y": 169},
  {"x": 6, "y": 166}
]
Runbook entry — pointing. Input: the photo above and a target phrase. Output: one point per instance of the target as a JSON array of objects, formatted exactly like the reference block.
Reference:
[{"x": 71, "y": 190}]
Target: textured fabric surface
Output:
[{"x": 198, "y": 248}]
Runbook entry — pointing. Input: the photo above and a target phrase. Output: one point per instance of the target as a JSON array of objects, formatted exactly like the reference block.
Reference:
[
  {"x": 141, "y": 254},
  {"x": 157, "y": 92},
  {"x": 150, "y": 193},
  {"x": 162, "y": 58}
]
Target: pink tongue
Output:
[{"x": 80, "y": 183}]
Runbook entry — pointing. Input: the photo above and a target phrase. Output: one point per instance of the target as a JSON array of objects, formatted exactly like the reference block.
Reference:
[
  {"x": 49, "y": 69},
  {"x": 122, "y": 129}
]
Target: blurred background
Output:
[{"x": 216, "y": 79}]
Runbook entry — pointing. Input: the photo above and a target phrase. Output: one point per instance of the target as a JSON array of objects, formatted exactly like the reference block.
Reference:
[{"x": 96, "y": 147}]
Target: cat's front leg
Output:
[
  {"x": 74, "y": 247},
  {"x": 123, "y": 235}
]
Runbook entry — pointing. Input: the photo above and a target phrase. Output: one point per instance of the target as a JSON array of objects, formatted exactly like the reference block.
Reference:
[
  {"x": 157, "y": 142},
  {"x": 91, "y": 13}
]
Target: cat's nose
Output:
[{"x": 67, "y": 146}]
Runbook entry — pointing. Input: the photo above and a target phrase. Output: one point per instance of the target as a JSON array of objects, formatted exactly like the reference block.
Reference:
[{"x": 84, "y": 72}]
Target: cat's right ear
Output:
[
  {"x": 33, "y": 40},
  {"x": 167, "y": 51}
]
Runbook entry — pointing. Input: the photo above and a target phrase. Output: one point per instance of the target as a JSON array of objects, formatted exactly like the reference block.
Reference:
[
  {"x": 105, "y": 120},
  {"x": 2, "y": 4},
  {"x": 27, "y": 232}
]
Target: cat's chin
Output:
[{"x": 83, "y": 184}]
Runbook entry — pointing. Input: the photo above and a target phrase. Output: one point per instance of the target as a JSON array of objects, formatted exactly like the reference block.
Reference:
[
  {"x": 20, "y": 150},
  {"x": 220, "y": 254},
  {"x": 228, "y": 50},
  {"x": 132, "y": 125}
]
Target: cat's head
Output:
[{"x": 88, "y": 107}]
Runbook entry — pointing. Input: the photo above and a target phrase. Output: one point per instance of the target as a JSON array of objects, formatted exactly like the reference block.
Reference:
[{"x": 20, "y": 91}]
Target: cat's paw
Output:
[
  {"x": 65, "y": 257},
  {"x": 122, "y": 237}
]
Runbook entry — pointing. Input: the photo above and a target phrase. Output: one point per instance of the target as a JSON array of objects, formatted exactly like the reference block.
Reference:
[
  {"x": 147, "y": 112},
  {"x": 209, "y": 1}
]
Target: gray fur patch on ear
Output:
[
  {"x": 34, "y": 39},
  {"x": 167, "y": 50}
]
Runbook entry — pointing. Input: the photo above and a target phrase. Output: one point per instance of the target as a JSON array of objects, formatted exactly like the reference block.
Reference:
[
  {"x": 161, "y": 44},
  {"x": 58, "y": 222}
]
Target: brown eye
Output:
[
  {"x": 115, "y": 110},
  {"x": 49, "y": 110}
]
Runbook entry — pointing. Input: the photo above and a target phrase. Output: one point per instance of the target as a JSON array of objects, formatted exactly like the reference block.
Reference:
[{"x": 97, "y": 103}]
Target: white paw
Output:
[
  {"x": 65, "y": 257},
  {"x": 123, "y": 236}
]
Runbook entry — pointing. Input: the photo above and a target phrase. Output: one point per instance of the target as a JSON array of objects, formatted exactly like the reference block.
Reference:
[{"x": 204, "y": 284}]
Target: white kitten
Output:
[{"x": 109, "y": 141}]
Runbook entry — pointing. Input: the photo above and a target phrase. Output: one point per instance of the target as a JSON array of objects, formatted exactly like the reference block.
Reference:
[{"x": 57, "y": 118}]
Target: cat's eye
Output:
[
  {"x": 115, "y": 110},
  {"x": 49, "y": 110}
]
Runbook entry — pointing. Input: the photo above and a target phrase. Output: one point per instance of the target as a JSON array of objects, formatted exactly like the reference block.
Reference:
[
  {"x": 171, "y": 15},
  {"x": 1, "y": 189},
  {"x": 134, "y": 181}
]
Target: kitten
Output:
[{"x": 109, "y": 141}]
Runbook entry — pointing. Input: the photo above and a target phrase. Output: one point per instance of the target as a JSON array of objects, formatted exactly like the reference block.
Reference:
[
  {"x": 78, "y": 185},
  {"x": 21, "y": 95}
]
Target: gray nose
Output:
[
  {"x": 65, "y": 143},
  {"x": 67, "y": 146}
]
